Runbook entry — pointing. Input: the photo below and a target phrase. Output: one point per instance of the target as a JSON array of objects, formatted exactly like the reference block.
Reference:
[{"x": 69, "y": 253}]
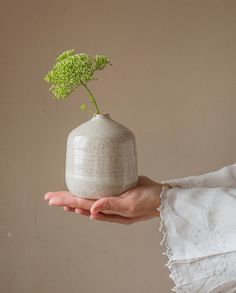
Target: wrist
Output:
[{"x": 157, "y": 192}]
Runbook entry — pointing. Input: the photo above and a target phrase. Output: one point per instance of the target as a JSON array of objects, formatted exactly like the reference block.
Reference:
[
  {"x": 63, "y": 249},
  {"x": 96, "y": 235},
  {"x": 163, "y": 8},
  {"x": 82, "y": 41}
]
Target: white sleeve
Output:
[
  {"x": 224, "y": 177},
  {"x": 199, "y": 227}
]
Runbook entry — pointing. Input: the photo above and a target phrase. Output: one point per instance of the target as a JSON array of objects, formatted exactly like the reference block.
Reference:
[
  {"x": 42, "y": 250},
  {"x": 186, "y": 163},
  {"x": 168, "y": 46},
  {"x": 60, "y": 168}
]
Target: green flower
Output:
[{"x": 72, "y": 70}]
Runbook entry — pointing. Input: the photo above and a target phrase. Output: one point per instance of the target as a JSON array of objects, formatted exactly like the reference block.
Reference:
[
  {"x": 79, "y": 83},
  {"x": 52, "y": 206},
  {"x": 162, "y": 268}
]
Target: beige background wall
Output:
[{"x": 172, "y": 82}]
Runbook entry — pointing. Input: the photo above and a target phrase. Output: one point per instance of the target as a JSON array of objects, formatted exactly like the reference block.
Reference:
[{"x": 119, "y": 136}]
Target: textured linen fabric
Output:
[{"x": 199, "y": 225}]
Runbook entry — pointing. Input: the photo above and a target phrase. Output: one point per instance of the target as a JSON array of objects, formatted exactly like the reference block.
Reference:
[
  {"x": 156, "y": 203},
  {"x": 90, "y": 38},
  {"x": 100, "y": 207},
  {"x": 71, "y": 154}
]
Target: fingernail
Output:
[
  {"x": 51, "y": 201},
  {"x": 93, "y": 212},
  {"x": 46, "y": 196}
]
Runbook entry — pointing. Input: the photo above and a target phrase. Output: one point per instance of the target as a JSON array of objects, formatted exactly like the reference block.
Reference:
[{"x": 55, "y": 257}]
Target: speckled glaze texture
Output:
[{"x": 101, "y": 158}]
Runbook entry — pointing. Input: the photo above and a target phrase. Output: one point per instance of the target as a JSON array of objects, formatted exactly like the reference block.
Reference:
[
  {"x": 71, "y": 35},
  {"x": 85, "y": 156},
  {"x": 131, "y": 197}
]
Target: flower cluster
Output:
[{"x": 72, "y": 70}]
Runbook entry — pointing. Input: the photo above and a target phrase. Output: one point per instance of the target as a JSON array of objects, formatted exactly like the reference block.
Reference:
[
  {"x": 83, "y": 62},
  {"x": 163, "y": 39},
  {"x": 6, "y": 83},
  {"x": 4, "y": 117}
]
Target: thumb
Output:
[{"x": 112, "y": 204}]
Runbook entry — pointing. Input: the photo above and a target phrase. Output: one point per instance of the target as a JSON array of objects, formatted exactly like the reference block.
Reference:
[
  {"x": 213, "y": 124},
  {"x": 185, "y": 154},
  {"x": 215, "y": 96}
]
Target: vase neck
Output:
[{"x": 102, "y": 116}]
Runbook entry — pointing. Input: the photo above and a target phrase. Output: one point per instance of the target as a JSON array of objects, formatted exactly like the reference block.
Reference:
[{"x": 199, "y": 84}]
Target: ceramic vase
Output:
[{"x": 101, "y": 158}]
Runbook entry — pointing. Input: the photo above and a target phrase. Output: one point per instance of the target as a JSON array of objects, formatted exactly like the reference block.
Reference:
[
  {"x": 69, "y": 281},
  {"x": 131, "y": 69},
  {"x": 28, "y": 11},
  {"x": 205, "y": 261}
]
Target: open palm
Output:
[{"x": 136, "y": 204}]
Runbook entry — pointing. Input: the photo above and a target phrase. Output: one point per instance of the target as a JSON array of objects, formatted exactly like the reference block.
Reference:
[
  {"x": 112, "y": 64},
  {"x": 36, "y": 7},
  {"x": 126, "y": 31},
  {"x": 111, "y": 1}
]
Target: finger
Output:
[
  {"x": 49, "y": 195},
  {"x": 113, "y": 218},
  {"x": 82, "y": 212},
  {"x": 68, "y": 209},
  {"x": 109, "y": 204},
  {"x": 52, "y": 194},
  {"x": 67, "y": 199}
]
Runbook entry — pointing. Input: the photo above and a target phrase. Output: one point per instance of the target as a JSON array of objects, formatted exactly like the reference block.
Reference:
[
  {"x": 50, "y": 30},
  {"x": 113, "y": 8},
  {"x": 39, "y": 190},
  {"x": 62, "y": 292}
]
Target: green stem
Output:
[{"x": 93, "y": 99}]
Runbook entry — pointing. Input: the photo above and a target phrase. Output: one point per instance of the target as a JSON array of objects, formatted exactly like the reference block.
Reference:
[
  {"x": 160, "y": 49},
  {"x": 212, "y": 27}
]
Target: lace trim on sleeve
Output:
[{"x": 164, "y": 219}]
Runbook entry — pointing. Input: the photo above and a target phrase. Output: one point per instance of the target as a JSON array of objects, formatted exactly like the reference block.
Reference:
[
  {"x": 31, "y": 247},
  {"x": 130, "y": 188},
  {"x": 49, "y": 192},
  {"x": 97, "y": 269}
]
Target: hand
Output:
[{"x": 136, "y": 204}]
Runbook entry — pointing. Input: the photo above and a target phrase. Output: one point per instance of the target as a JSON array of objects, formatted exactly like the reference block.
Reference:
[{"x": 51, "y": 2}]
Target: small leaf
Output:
[
  {"x": 83, "y": 107},
  {"x": 91, "y": 99}
]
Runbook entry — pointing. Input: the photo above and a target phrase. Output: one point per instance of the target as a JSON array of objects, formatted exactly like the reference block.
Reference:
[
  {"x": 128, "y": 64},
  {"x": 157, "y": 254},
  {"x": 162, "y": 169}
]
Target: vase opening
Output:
[{"x": 102, "y": 115}]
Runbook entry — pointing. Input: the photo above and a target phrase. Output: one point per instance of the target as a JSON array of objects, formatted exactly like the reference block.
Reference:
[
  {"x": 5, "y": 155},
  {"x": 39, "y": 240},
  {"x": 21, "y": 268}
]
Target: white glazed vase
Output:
[{"x": 101, "y": 158}]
